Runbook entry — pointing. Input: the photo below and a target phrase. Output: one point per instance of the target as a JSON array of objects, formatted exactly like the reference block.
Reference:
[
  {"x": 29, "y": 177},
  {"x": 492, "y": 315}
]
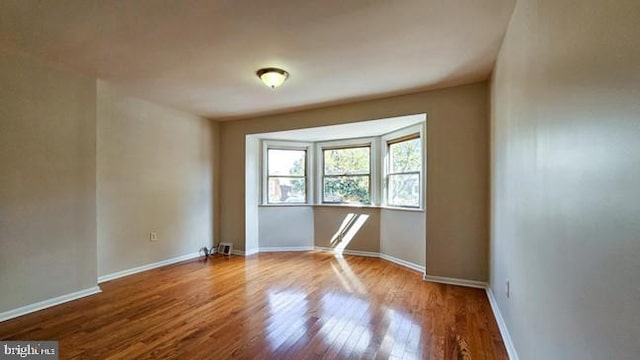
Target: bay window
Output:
[
  {"x": 286, "y": 175},
  {"x": 346, "y": 175},
  {"x": 404, "y": 167},
  {"x": 386, "y": 170}
]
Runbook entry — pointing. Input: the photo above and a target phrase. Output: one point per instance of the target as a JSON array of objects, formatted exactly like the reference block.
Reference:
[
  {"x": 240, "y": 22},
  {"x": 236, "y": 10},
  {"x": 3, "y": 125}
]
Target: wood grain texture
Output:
[{"x": 310, "y": 305}]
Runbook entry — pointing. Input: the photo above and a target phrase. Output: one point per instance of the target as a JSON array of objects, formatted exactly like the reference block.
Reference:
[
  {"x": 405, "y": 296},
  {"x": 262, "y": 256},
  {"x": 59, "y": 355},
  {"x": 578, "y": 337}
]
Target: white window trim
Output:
[
  {"x": 309, "y": 166},
  {"x": 374, "y": 174},
  {"x": 384, "y": 163},
  {"x": 315, "y": 168}
]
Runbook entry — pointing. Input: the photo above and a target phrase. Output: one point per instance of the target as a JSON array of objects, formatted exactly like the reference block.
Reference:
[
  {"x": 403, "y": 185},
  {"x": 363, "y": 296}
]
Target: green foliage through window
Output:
[
  {"x": 403, "y": 178},
  {"x": 346, "y": 177}
]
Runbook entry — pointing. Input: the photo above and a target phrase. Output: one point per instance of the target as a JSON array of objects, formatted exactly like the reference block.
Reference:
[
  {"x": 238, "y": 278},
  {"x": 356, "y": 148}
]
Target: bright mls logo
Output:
[{"x": 29, "y": 350}]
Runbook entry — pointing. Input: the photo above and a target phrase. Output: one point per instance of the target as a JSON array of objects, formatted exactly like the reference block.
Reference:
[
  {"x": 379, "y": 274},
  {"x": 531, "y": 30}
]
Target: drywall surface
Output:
[
  {"x": 155, "y": 168},
  {"x": 252, "y": 194},
  {"x": 565, "y": 179},
  {"x": 457, "y": 170},
  {"x": 215, "y": 189},
  {"x": 402, "y": 235},
  {"x": 286, "y": 227},
  {"x": 47, "y": 181},
  {"x": 359, "y": 227}
]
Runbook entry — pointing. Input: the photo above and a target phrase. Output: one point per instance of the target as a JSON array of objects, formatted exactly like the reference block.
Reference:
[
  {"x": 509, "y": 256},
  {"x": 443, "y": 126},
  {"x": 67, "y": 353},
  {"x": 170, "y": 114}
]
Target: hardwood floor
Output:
[{"x": 309, "y": 305}]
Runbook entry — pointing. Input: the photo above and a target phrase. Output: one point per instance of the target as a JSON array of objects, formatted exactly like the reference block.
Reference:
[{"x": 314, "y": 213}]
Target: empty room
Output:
[{"x": 411, "y": 179}]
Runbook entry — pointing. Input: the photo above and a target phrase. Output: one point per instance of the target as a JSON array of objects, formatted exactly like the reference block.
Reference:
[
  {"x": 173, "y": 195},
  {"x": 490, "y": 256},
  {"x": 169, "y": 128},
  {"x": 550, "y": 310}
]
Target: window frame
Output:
[
  {"x": 314, "y": 166},
  {"x": 372, "y": 144},
  {"x": 405, "y": 134},
  {"x": 308, "y": 167}
]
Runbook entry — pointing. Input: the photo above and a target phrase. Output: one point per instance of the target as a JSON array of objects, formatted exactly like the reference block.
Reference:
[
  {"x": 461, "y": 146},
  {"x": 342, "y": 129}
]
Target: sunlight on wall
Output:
[
  {"x": 350, "y": 226},
  {"x": 345, "y": 223}
]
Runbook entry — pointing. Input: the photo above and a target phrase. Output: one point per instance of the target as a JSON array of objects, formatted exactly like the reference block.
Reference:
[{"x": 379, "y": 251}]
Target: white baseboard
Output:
[
  {"x": 506, "y": 338},
  {"x": 455, "y": 281},
  {"x": 123, "y": 273},
  {"x": 386, "y": 257},
  {"x": 401, "y": 262},
  {"x": 392, "y": 259},
  {"x": 48, "y": 303},
  {"x": 348, "y": 252},
  {"x": 359, "y": 253},
  {"x": 285, "y": 248},
  {"x": 244, "y": 252}
]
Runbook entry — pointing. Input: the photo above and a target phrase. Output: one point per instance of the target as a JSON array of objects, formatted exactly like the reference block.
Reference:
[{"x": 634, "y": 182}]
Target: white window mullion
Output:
[
  {"x": 380, "y": 174},
  {"x": 411, "y": 197},
  {"x": 288, "y": 150},
  {"x": 326, "y": 148}
]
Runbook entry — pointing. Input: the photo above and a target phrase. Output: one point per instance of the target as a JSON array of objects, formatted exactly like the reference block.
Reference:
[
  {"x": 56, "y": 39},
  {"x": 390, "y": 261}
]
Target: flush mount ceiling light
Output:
[{"x": 272, "y": 77}]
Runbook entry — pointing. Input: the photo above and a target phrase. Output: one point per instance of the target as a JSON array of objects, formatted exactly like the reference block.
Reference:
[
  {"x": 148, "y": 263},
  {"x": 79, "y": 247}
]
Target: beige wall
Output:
[
  {"x": 457, "y": 150},
  {"x": 327, "y": 221},
  {"x": 285, "y": 227},
  {"x": 154, "y": 174},
  {"x": 565, "y": 179},
  {"x": 215, "y": 180},
  {"x": 402, "y": 235},
  {"x": 47, "y": 181}
]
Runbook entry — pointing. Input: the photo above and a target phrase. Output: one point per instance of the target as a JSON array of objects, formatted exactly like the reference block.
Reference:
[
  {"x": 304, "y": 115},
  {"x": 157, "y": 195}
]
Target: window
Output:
[
  {"x": 380, "y": 171},
  {"x": 404, "y": 156},
  {"x": 286, "y": 176},
  {"x": 346, "y": 175}
]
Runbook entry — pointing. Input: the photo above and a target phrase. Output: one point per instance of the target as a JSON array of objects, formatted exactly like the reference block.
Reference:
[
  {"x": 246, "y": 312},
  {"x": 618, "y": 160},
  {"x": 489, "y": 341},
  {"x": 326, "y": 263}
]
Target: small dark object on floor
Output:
[{"x": 206, "y": 251}]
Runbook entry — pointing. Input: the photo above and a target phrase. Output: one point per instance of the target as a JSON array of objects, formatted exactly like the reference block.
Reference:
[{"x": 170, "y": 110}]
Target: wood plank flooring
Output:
[{"x": 310, "y": 305}]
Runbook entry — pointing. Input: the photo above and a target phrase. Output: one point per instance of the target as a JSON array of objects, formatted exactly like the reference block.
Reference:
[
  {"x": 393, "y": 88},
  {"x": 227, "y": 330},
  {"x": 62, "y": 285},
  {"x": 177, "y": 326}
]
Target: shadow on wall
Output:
[{"x": 350, "y": 226}]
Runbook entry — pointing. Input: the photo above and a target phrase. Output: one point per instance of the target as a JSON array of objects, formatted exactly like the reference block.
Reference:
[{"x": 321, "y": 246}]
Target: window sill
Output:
[
  {"x": 397, "y": 208},
  {"x": 358, "y": 206},
  {"x": 285, "y": 205},
  {"x": 384, "y": 207},
  {"x": 353, "y": 206}
]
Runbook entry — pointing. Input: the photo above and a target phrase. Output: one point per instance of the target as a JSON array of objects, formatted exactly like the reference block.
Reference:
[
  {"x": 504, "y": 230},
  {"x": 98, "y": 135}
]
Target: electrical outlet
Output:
[
  {"x": 508, "y": 289},
  {"x": 153, "y": 236}
]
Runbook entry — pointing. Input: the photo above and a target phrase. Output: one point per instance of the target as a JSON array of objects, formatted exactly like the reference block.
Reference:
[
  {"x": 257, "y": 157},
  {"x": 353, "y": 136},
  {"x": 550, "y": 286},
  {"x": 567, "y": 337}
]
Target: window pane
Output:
[
  {"x": 286, "y": 162},
  {"x": 287, "y": 190},
  {"x": 404, "y": 190},
  {"x": 346, "y": 161},
  {"x": 346, "y": 189},
  {"x": 405, "y": 156}
]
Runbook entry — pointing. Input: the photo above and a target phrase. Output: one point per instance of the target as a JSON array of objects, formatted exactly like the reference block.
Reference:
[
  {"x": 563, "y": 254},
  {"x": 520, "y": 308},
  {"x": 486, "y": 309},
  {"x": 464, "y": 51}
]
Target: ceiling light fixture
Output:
[{"x": 272, "y": 77}]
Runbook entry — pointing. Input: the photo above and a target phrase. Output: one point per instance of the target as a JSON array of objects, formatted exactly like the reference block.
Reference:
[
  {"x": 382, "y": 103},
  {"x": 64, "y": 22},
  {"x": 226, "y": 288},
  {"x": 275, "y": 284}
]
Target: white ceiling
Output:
[
  {"x": 353, "y": 130},
  {"x": 201, "y": 55}
]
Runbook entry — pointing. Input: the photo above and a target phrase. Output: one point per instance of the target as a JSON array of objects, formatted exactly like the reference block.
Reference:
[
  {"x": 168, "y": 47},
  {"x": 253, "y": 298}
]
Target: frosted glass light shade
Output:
[{"x": 272, "y": 77}]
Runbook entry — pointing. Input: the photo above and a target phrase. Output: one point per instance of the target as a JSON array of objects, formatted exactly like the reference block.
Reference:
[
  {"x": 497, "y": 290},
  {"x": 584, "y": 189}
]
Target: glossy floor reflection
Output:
[
  {"x": 347, "y": 325},
  {"x": 289, "y": 311},
  {"x": 310, "y": 305}
]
